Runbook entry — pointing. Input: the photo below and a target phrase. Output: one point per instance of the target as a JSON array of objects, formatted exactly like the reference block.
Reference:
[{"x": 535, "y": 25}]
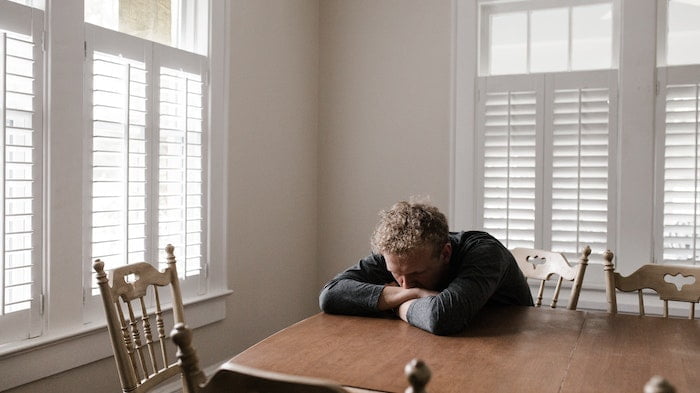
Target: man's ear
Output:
[{"x": 446, "y": 253}]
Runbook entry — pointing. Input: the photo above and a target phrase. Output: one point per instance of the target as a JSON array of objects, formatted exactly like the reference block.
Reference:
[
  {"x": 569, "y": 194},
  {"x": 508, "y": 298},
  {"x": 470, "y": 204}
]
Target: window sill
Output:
[{"x": 53, "y": 354}]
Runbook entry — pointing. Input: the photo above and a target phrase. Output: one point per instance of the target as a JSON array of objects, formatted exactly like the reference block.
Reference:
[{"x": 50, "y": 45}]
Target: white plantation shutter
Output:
[
  {"x": 181, "y": 199},
  {"x": 580, "y": 141},
  {"x": 21, "y": 152},
  {"x": 118, "y": 160},
  {"x": 679, "y": 101},
  {"x": 147, "y": 152},
  {"x": 509, "y": 167},
  {"x": 545, "y": 142},
  {"x": 509, "y": 142}
]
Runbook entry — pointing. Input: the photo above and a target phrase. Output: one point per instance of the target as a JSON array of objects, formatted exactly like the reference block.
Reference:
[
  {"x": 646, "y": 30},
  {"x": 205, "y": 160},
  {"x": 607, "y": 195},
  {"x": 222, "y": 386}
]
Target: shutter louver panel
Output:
[
  {"x": 180, "y": 202},
  {"x": 118, "y": 160},
  {"x": 510, "y": 167},
  {"x": 681, "y": 191},
  {"x": 20, "y": 189},
  {"x": 580, "y": 140}
]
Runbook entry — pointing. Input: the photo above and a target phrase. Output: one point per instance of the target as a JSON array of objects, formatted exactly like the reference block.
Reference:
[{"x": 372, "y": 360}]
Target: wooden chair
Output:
[
  {"x": 235, "y": 378},
  {"x": 652, "y": 276},
  {"x": 140, "y": 351},
  {"x": 543, "y": 265}
]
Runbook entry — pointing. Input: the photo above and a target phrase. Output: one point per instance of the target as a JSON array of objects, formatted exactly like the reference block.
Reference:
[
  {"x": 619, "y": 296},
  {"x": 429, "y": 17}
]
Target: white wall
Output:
[{"x": 384, "y": 119}]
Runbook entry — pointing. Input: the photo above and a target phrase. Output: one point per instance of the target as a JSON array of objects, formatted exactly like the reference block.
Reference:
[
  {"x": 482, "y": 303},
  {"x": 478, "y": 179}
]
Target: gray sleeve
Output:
[
  {"x": 450, "y": 311},
  {"x": 356, "y": 291}
]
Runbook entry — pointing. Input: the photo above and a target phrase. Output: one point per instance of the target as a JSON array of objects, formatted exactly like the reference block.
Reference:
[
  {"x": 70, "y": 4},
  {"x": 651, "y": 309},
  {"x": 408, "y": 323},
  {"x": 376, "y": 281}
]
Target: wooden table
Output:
[{"x": 508, "y": 349}]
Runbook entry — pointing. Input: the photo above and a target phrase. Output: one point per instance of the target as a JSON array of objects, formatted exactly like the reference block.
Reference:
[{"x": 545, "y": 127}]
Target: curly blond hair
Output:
[{"x": 407, "y": 226}]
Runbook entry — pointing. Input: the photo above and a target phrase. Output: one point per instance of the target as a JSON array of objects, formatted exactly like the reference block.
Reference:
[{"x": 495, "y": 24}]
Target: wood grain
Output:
[
  {"x": 506, "y": 349},
  {"x": 500, "y": 352}
]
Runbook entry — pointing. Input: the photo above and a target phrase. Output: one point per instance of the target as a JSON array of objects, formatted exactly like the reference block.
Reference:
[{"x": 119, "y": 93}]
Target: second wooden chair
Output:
[
  {"x": 543, "y": 265},
  {"x": 653, "y": 276}
]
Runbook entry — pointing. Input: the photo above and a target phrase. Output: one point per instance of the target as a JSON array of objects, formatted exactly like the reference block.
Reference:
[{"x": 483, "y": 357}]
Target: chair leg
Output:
[
  {"x": 555, "y": 297},
  {"x": 539, "y": 294}
]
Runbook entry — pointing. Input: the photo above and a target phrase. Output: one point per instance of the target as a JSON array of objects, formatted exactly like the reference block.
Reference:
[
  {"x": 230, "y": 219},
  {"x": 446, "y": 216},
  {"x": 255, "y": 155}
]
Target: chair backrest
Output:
[
  {"x": 132, "y": 305},
  {"x": 543, "y": 265},
  {"x": 235, "y": 378},
  {"x": 652, "y": 276}
]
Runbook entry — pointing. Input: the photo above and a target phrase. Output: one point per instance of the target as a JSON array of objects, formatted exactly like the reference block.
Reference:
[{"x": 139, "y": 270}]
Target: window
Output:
[
  {"x": 546, "y": 132},
  {"x": 147, "y": 137},
  {"x": 678, "y": 127},
  {"x": 21, "y": 70},
  {"x": 111, "y": 129},
  {"x": 545, "y": 142},
  {"x": 531, "y": 36}
]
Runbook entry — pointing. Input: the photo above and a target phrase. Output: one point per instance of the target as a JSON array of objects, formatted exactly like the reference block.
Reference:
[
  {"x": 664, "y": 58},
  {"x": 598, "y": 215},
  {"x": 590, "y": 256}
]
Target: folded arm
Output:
[
  {"x": 451, "y": 310},
  {"x": 357, "y": 290}
]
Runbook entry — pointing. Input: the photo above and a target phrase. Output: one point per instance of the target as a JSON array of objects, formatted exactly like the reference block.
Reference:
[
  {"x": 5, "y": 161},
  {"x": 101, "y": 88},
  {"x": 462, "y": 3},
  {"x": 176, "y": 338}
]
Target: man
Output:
[{"x": 431, "y": 278}]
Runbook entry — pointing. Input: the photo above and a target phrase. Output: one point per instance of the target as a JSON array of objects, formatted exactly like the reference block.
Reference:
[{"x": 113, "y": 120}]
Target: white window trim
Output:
[{"x": 65, "y": 337}]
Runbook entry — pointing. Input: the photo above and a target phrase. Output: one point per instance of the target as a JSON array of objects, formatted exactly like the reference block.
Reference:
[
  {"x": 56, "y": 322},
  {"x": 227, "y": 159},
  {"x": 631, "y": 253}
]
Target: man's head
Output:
[{"x": 414, "y": 240}]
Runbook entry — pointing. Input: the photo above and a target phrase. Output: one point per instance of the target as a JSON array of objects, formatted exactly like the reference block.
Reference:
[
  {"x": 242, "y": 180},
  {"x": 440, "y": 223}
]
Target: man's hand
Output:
[{"x": 393, "y": 296}]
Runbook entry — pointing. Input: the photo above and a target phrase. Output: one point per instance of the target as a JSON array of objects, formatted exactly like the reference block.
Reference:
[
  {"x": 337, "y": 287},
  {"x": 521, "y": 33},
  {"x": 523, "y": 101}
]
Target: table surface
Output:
[{"x": 505, "y": 349}]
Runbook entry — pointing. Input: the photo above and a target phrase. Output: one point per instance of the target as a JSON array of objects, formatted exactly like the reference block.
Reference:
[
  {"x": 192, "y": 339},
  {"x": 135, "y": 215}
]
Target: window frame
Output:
[
  {"x": 665, "y": 75},
  {"x": 633, "y": 157},
  {"x": 154, "y": 56}
]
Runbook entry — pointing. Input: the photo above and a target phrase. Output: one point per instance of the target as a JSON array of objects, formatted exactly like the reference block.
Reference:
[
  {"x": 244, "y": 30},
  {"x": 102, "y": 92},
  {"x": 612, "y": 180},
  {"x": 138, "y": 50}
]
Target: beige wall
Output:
[
  {"x": 337, "y": 109},
  {"x": 384, "y": 116},
  {"x": 272, "y": 166}
]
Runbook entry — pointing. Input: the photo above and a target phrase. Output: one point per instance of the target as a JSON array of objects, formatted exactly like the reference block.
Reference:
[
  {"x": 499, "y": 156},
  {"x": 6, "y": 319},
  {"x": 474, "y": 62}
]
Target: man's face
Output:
[{"x": 420, "y": 269}]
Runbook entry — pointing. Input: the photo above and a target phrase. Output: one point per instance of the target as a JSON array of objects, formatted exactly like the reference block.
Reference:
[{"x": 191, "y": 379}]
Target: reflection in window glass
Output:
[
  {"x": 548, "y": 44},
  {"x": 181, "y": 24},
  {"x": 508, "y": 43},
  {"x": 591, "y": 38},
  {"x": 683, "y": 32}
]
